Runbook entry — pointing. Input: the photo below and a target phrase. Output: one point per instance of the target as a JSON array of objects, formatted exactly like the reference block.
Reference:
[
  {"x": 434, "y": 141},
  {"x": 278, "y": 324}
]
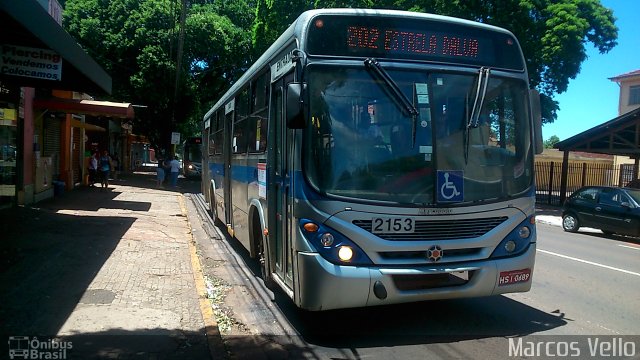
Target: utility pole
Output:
[{"x": 183, "y": 17}]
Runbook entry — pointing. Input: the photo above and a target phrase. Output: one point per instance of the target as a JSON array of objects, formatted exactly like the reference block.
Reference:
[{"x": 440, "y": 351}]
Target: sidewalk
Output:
[
  {"x": 108, "y": 271},
  {"x": 549, "y": 214}
]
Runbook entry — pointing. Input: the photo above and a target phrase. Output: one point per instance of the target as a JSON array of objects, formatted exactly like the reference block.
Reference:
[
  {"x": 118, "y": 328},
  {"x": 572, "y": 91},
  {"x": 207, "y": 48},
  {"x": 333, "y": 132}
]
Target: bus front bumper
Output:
[{"x": 328, "y": 286}]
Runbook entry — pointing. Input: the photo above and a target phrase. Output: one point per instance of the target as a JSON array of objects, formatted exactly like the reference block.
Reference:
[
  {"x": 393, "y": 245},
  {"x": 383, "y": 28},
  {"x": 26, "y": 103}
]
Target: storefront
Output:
[
  {"x": 8, "y": 145},
  {"x": 91, "y": 126},
  {"x": 36, "y": 56}
]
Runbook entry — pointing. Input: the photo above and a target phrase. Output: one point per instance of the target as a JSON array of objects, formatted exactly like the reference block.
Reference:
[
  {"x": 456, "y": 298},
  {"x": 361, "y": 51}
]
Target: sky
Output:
[{"x": 591, "y": 98}]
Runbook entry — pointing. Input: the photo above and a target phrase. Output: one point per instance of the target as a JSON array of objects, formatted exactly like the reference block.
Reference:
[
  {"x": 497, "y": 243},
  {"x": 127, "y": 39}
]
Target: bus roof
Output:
[{"x": 297, "y": 31}]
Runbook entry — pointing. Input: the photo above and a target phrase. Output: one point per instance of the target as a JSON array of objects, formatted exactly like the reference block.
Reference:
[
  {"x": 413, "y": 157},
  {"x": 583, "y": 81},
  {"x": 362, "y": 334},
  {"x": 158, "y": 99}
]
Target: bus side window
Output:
[
  {"x": 258, "y": 131},
  {"x": 218, "y": 136},
  {"x": 240, "y": 136},
  {"x": 239, "y": 140},
  {"x": 259, "y": 112}
]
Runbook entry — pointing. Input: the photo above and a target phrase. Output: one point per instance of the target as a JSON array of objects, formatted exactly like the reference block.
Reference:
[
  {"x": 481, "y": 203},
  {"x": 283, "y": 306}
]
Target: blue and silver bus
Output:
[{"x": 374, "y": 157}]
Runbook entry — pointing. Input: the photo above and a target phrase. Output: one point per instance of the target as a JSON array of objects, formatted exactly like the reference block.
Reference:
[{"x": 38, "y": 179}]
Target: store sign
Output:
[
  {"x": 8, "y": 117},
  {"x": 7, "y": 114},
  {"x": 30, "y": 62}
]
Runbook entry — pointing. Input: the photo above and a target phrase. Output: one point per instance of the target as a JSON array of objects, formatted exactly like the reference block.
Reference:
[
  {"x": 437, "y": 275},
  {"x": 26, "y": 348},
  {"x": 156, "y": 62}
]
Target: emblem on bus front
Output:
[{"x": 435, "y": 253}]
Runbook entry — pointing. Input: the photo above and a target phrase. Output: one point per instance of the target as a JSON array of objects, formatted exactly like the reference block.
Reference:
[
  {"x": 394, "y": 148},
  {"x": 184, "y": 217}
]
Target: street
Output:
[
  {"x": 585, "y": 284},
  {"x": 590, "y": 278}
]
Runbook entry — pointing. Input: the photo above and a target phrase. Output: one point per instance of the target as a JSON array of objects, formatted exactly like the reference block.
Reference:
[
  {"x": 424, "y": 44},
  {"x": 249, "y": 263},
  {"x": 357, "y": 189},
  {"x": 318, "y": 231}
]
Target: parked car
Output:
[{"x": 611, "y": 209}]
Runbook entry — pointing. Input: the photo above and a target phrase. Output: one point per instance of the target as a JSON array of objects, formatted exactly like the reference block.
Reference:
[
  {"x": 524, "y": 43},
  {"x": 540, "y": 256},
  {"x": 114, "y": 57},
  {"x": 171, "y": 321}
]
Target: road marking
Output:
[
  {"x": 589, "y": 262},
  {"x": 630, "y": 247}
]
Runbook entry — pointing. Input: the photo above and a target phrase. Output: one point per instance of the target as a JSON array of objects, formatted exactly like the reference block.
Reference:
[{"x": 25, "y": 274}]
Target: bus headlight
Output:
[
  {"x": 345, "y": 253},
  {"x": 517, "y": 241},
  {"x": 524, "y": 232},
  {"x": 326, "y": 239},
  {"x": 332, "y": 245},
  {"x": 510, "y": 246}
]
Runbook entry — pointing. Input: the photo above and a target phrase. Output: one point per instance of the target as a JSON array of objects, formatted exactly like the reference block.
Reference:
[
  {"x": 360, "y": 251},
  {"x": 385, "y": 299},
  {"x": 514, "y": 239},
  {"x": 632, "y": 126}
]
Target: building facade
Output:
[
  {"x": 47, "y": 121},
  {"x": 628, "y": 100}
]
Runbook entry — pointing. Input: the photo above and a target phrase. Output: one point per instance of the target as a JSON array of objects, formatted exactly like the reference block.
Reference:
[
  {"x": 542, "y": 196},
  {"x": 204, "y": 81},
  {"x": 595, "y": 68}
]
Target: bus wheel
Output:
[
  {"x": 264, "y": 271},
  {"x": 213, "y": 211}
]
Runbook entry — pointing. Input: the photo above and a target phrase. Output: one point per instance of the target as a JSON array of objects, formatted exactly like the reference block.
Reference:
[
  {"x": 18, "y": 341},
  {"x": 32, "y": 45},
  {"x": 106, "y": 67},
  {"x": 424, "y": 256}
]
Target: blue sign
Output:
[{"x": 450, "y": 186}]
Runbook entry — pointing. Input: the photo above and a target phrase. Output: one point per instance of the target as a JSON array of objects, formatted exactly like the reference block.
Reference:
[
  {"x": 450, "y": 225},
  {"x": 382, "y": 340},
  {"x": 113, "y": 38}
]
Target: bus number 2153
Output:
[{"x": 392, "y": 225}]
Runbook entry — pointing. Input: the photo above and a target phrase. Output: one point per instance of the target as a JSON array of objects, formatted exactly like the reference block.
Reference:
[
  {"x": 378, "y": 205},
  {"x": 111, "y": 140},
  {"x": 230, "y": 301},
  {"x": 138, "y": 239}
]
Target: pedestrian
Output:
[
  {"x": 175, "y": 169},
  {"x": 93, "y": 169},
  {"x": 160, "y": 173},
  {"x": 105, "y": 165}
]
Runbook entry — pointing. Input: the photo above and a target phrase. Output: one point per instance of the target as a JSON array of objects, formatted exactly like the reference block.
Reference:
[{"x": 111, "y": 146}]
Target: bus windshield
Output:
[{"x": 360, "y": 145}]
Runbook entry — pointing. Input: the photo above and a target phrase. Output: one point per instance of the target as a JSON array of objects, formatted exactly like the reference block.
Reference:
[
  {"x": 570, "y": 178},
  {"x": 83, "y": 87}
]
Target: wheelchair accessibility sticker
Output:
[{"x": 450, "y": 186}]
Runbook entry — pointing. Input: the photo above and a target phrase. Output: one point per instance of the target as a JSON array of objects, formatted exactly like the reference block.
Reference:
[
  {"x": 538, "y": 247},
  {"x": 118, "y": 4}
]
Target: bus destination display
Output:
[
  {"x": 412, "y": 42},
  {"x": 412, "y": 39}
]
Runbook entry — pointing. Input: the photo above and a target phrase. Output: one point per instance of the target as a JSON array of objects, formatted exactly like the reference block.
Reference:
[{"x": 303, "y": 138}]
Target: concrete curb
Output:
[{"x": 212, "y": 332}]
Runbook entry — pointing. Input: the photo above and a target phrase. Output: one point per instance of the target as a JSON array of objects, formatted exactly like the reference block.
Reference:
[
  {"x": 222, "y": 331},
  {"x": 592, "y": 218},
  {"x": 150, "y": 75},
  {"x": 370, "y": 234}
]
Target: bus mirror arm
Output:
[
  {"x": 534, "y": 98},
  {"x": 295, "y": 105}
]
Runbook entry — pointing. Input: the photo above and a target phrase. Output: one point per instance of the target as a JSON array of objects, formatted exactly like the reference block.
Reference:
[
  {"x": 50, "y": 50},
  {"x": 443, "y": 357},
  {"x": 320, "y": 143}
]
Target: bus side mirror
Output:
[
  {"x": 294, "y": 108},
  {"x": 534, "y": 98}
]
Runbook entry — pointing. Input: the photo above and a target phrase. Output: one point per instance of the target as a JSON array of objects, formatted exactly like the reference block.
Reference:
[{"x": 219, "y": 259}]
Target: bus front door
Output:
[{"x": 281, "y": 186}]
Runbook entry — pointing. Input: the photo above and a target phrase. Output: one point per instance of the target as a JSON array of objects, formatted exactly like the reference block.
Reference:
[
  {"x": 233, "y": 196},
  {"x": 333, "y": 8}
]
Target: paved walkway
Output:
[{"x": 109, "y": 270}]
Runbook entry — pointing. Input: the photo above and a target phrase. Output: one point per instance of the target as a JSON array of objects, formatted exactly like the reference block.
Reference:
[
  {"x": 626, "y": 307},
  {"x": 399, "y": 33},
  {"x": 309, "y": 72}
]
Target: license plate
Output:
[
  {"x": 514, "y": 277},
  {"x": 385, "y": 225}
]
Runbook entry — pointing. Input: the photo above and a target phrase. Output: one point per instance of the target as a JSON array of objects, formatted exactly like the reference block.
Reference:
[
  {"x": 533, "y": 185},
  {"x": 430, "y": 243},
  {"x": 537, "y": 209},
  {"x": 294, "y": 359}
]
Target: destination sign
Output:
[
  {"x": 412, "y": 42},
  {"x": 414, "y": 39}
]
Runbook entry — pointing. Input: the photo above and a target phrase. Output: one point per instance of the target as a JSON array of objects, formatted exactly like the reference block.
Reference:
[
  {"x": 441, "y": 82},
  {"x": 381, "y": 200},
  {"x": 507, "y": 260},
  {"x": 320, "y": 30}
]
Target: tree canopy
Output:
[
  {"x": 551, "y": 142},
  {"x": 141, "y": 44},
  {"x": 177, "y": 65}
]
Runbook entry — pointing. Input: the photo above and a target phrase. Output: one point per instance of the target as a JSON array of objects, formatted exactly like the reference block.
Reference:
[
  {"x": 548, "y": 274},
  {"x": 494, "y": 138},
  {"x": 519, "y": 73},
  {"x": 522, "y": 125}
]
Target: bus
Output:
[
  {"x": 191, "y": 157},
  {"x": 374, "y": 157}
]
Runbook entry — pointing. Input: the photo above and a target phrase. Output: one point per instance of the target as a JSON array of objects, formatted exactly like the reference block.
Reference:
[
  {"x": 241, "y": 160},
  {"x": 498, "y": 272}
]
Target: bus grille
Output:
[{"x": 441, "y": 229}]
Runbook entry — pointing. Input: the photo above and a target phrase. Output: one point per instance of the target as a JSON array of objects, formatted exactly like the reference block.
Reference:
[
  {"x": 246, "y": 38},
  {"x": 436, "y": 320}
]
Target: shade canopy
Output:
[
  {"x": 619, "y": 136},
  {"x": 86, "y": 107}
]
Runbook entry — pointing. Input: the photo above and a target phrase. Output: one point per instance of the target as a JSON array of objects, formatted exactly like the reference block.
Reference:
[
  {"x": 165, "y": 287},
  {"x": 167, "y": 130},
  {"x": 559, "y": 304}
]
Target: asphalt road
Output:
[
  {"x": 584, "y": 284},
  {"x": 590, "y": 278}
]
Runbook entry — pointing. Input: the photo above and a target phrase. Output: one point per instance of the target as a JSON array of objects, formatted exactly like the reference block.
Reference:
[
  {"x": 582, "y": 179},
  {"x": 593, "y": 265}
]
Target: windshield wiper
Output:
[
  {"x": 478, "y": 102},
  {"x": 481, "y": 92},
  {"x": 405, "y": 105}
]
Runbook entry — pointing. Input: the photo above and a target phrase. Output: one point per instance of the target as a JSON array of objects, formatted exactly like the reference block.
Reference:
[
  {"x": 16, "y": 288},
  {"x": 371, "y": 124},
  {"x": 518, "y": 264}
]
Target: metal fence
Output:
[{"x": 549, "y": 175}]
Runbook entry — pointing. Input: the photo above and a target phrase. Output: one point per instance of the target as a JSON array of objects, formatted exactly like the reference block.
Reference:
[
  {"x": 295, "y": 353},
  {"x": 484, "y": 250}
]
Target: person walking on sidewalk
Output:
[
  {"x": 105, "y": 165},
  {"x": 175, "y": 169},
  {"x": 160, "y": 173},
  {"x": 93, "y": 168}
]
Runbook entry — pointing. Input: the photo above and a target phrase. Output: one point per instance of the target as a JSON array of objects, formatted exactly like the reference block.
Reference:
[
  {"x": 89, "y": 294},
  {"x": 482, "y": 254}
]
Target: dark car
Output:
[{"x": 611, "y": 209}]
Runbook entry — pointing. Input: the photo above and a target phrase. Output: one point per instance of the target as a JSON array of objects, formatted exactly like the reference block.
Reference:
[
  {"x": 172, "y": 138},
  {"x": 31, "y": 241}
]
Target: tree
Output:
[
  {"x": 553, "y": 34},
  {"x": 137, "y": 42},
  {"x": 272, "y": 19},
  {"x": 551, "y": 142}
]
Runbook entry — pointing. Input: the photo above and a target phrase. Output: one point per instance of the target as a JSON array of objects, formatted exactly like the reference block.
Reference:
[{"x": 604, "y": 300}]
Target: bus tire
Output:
[
  {"x": 264, "y": 272},
  {"x": 213, "y": 211},
  {"x": 263, "y": 257}
]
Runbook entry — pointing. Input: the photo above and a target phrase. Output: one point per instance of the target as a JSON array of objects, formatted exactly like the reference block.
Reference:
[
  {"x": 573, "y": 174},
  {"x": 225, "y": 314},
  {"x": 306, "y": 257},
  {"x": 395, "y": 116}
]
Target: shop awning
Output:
[
  {"x": 86, "y": 107},
  {"x": 87, "y": 126},
  {"x": 27, "y": 32}
]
